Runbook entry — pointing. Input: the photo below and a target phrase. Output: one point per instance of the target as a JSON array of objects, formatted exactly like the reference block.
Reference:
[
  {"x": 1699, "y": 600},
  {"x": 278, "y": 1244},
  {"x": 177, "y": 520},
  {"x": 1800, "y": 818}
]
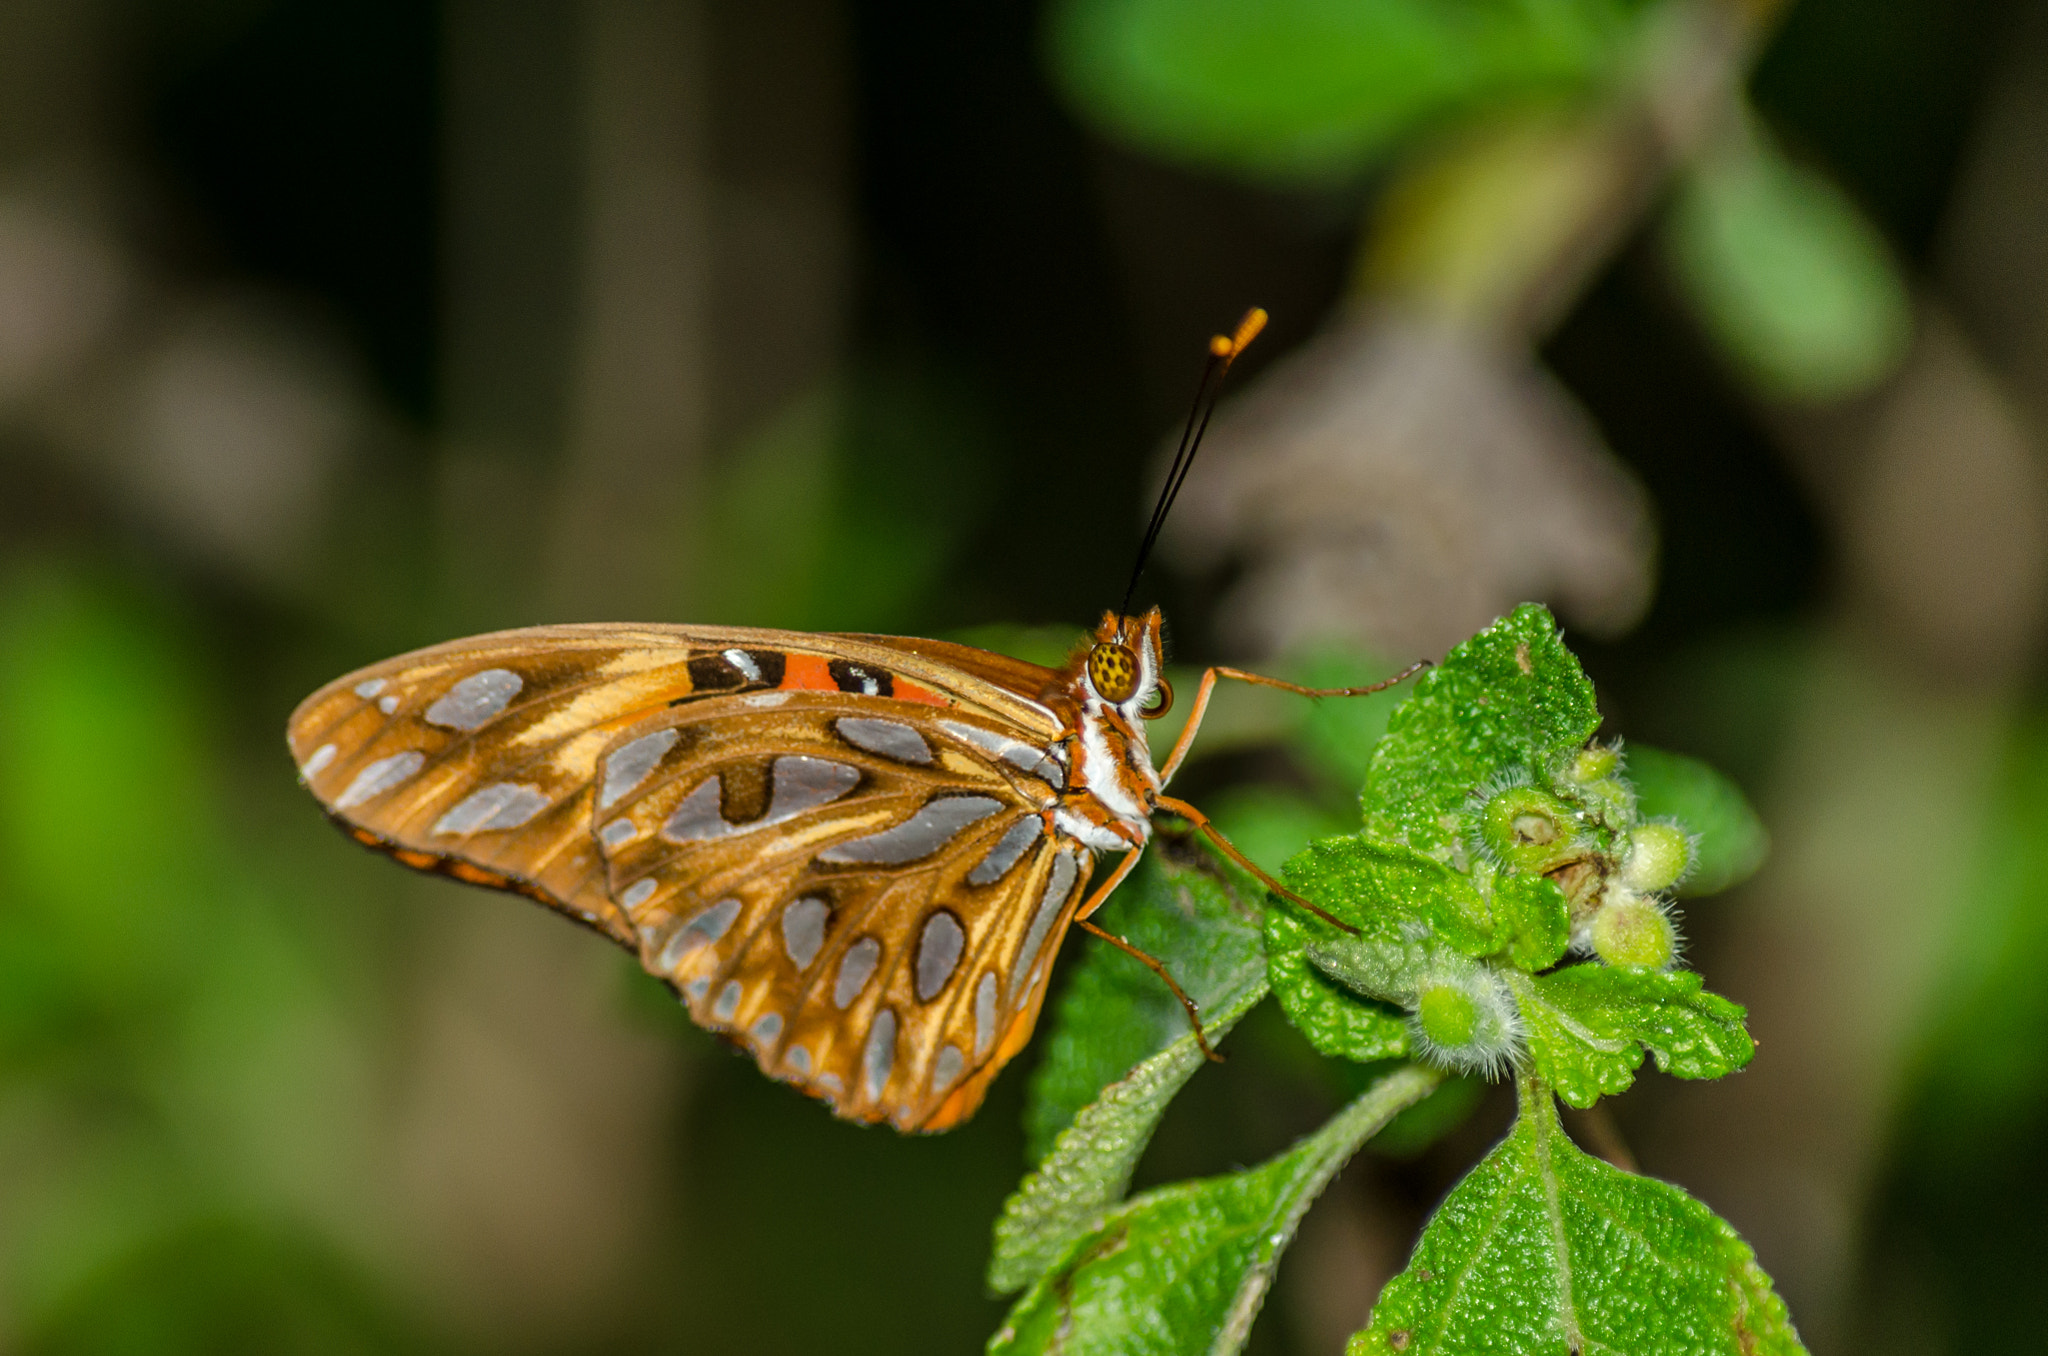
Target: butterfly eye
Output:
[
  {"x": 1113, "y": 668},
  {"x": 1162, "y": 700}
]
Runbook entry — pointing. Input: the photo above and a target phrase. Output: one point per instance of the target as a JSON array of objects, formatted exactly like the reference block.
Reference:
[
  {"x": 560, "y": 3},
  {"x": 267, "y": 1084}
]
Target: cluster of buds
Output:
[{"x": 1582, "y": 832}]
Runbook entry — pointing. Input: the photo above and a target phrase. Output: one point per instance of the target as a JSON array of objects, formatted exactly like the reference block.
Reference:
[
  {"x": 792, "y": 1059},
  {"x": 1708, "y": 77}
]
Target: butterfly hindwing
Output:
[
  {"x": 730, "y": 803},
  {"x": 866, "y": 899}
]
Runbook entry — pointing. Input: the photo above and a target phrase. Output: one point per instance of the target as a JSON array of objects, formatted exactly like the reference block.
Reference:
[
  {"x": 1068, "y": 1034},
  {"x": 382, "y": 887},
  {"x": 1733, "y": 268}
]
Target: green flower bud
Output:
[
  {"x": 1593, "y": 764},
  {"x": 1466, "y": 1020},
  {"x": 1632, "y": 931},
  {"x": 1658, "y": 855},
  {"x": 1528, "y": 828},
  {"x": 1448, "y": 1015}
]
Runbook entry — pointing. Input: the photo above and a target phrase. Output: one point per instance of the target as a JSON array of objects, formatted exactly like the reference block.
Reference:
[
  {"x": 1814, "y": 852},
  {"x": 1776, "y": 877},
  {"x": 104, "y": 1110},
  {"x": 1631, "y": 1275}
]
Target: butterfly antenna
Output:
[{"x": 1223, "y": 351}]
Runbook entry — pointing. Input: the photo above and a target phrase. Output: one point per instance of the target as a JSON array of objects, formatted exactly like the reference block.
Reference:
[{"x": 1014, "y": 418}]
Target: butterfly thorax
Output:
[{"x": 1105, "y": 693}]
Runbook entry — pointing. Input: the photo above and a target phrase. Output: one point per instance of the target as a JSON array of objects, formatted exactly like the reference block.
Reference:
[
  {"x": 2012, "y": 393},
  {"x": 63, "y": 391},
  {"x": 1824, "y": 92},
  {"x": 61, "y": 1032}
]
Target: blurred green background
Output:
[{"x": 331, "y": 328}]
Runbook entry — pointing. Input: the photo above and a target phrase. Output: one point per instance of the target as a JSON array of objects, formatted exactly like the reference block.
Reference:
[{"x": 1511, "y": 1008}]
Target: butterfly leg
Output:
[
  {"x": 1201, "y": 706},
  {"x": 1096, "y": 901},
  {"x": 1215, "y": 835},
  {"x": 1151, "y": 963}
]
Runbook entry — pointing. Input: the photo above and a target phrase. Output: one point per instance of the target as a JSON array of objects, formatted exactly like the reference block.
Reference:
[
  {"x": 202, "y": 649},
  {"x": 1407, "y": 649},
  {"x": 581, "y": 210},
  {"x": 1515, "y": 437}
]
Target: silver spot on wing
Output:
[
  {"x": 1058, "y": 885},
  {"x": 629, "y": 764},
  {"x": 1011, "y": 846},
  {"x": 697, "y": 818},
  {"x": 728, "y": 1001},
  {"x": 856, "y": 968},
  {"x": 931, "y": 828},
  {"x": 501, "y": 805},
  {"x": 766, "y": 1028},
  {"x": 1024, "y": 757},
  {"x": 638, "y": 893},
  {"x": 369, "y": 688},
  {"x": 322, "y": 756},
  {"x": 703, "y": 930},
  {"x": 887, "y": 738},
  {"x": 946, "y": 1068},
  {"x": 387, "y": 704},
  {"x": 803, "y": 929},
  {"x": 806, "y": 783},
  {"x": 880, "y": 1055},
  {"x": 798, "y": 1059},
  {"x": 984, "y": 1014},
  {"x": 618, "y": 833},
  {"x": 475, "y": 700},
  {"x": 744, "y": 662},
  {"x": 938, "y": 953},
  {"x": 829, "y": 1082},
  {"x": 380, "y": 777}
]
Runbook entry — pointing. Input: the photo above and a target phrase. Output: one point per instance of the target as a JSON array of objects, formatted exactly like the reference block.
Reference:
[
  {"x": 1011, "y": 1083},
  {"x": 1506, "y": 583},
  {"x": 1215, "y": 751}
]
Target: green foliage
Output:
[
  {"x": 1510, "y": 702},
  {"x": 1534, "y": 918},
  {"x": 1180, "y": 907},
  {"x": 1185, "y": 1268},
  {"x": 1729, "y": 841},
  {"x": 1315, "y": 89},
  {"x": 1497, "y": 842},
  {"x": 179, "y": 1082},
  {"x": 1542, "y": 1248},
  {"x": 1089, "y": 1166},
  {"x": 1787, "y": 275},
  {"x": 1589, "y": 1025}
]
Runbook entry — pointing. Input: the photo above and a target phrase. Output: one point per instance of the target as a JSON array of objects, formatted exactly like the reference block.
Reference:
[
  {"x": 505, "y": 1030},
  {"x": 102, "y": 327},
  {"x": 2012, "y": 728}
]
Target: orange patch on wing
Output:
[
  {"x": 806, "y": 673},
  {"x": 418, "y": 861},
  {"x": 907, "y": 691}
]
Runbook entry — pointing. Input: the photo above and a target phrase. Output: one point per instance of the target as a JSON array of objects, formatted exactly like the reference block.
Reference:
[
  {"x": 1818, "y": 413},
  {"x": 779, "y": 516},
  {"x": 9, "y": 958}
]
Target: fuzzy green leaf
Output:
[
  {"x": 1730, "y": 841},
  {"x": 1337, "y": 1020},
  {"x": 1542, "y": 1249},
  {"x": 1510, "y": 700},
  {"x": 1383, "y": 889},
  {"x": 1406, "y": 907},
  {"x": 1091, "y": 1162},
  {"x": 1534, "y": 919},
  {"x": 1185, "y": 1268},
  {"x": 1588, "y": 1026},
  {"x": 1184, "y": 909}
]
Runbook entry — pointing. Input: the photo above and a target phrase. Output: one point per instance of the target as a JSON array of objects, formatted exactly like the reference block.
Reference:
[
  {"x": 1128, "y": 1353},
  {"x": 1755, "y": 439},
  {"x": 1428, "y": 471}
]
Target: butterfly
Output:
[{"x": 856, "y": 856}]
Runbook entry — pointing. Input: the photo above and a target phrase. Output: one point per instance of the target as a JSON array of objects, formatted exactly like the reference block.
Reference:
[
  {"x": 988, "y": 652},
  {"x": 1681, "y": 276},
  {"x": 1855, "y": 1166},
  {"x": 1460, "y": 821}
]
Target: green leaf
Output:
[
  {"x": 1534, "y": 918},
  {"x": 1544, "y": 1249},
  {"x": 1510, "y": 698},
  {"x": 1382, "y": 888},
  {"x": 1407, "y": 907},
  {"x": 1588, "y": 1026},
  {"x": 1090, "y": 1164},
  {"x": 1181, "y": 907},
  {"x": 1730, "y": 842},
  {"x": 1337, "y": 1020},
  {"x": 1313, "y": 89},
  {"x": 1185, "y": 1268},
  {"x": 1787, "y": 275}
]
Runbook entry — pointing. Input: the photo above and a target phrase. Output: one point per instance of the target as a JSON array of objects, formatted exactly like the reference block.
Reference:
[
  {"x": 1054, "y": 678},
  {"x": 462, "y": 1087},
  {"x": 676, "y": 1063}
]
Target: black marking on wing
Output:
[{"x": 865, "y": 678}]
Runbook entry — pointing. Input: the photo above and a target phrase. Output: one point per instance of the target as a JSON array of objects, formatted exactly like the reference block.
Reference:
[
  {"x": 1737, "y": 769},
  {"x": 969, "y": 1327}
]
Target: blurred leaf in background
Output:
[
  {"x": 1315, "y": 90},
  {"x": 177, "y": 1081},
  {"x": 1787, "y": 275}
]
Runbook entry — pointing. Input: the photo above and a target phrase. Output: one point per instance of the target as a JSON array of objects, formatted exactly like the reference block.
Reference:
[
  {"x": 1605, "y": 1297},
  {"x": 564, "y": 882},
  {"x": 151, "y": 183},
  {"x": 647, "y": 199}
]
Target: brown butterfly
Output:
[{"x": 856, "y": 855}]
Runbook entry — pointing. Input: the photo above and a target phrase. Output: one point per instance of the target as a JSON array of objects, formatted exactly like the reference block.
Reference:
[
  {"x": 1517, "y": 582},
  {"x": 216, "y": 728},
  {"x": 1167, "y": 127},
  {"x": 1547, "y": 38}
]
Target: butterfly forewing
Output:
[{"x": 834, "y": 849}]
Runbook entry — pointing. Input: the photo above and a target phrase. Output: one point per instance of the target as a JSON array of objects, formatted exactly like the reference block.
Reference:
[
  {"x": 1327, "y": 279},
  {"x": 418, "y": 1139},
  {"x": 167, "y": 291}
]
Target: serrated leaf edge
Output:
[
  {"x": 1324, "y": 1153},
  {"x": 1067, "y": 1195}
]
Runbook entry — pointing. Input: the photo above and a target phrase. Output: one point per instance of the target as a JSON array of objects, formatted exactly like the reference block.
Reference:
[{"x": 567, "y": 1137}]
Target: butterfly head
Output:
[{"x": 1126, "y": 667}]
